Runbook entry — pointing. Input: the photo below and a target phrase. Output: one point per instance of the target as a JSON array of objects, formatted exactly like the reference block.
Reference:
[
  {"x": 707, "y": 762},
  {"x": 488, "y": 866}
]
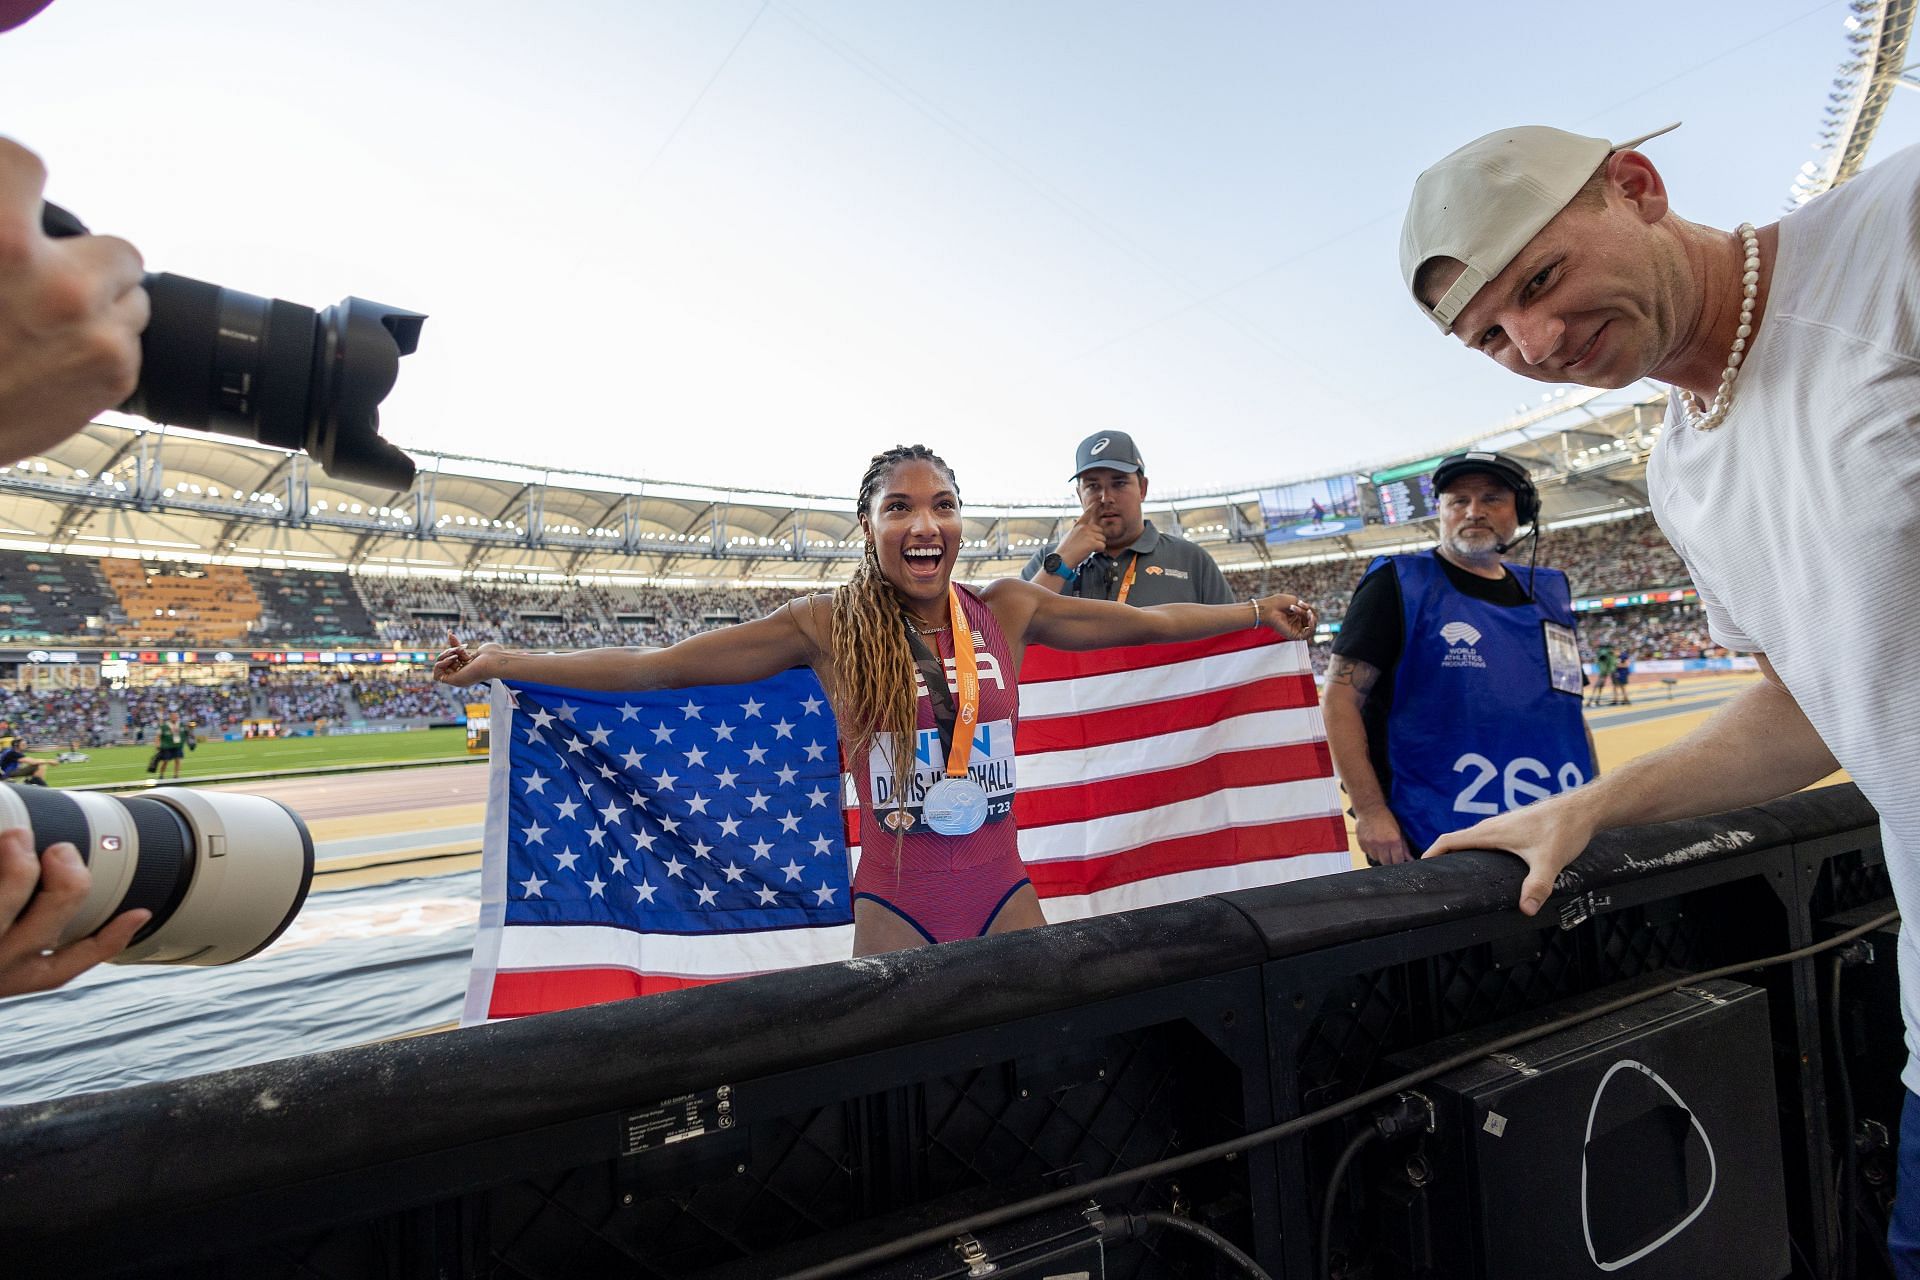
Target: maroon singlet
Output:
[{"x": 947, "y": 887}]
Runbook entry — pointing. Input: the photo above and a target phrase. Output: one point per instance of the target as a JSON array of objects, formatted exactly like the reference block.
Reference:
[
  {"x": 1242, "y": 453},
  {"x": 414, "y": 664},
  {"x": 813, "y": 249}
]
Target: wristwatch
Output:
[{"x": 1060, "y": 568}]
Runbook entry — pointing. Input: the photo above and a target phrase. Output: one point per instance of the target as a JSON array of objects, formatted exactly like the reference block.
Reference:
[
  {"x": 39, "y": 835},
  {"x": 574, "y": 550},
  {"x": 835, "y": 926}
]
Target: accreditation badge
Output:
[{"x": 1563, "y": 657}]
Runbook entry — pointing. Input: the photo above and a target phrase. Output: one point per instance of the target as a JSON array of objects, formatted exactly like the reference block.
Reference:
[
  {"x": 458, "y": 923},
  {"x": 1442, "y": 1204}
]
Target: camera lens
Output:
[
  {"x": 223, "y": 874},
  {"x": 264, "y": 369}
]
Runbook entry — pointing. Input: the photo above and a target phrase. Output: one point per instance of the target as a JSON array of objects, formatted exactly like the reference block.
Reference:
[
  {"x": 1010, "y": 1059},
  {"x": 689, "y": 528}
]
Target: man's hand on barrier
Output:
[
  {"x": 1547, "y": 836},
  {"x": 71, "y": 313},
  {"x": 31, "y": 922},
  {"x": 1380, "y": 837}
]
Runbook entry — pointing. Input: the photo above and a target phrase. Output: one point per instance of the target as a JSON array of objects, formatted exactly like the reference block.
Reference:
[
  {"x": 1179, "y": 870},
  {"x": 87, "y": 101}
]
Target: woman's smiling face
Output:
[{"x": 914, "y": 521}]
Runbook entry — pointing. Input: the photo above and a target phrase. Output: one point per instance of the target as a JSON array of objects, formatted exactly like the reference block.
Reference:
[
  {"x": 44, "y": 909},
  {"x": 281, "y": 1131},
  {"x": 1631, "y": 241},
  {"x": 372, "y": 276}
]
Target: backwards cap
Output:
[{"x": 1482, "y": 204}]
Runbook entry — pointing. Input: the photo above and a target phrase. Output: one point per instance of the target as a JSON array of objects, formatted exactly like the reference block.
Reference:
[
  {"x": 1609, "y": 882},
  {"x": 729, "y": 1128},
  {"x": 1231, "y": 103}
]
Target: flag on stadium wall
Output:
[{"x": 1147, "y": 775}]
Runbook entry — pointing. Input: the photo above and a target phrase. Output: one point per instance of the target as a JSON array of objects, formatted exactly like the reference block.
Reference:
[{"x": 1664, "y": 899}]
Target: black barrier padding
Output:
[
  {"x": 881, "y": 1087},
  {"x": 145, "y": 1150},
  {"x": 1822, "y": 812},
  {"x": 1314, "y": 914}
]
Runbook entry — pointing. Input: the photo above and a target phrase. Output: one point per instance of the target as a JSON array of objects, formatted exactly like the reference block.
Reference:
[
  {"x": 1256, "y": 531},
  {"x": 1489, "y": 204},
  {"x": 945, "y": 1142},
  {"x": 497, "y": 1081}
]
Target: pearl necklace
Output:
[{"x": 1710, "y": 417}]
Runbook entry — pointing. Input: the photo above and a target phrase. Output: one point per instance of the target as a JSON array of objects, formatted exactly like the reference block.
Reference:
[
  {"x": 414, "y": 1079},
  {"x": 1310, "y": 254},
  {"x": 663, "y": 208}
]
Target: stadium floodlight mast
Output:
[{"x": 1878, "y": 32}]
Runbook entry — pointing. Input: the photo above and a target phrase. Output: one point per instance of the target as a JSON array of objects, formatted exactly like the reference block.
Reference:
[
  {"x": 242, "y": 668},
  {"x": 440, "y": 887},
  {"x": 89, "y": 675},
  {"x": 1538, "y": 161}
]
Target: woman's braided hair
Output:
[{"x": 870, "y": 650}]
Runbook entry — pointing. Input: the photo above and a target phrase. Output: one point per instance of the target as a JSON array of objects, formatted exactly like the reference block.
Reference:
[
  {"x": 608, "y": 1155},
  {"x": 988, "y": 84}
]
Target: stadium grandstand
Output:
[{"x": 231, "y": 583}]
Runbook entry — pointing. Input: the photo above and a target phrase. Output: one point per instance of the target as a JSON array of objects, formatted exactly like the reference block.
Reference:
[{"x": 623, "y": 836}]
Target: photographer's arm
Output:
[
  {"x": 71, "y": 314},
  {"x": 31, "y": 922},
  {"x": 730, "y": 655}
]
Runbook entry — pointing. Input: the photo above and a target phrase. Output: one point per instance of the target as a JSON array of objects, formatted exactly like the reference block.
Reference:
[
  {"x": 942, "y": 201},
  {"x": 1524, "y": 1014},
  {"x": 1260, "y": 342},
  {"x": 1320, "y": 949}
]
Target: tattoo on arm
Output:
[{"x": 1360, "y": 676}]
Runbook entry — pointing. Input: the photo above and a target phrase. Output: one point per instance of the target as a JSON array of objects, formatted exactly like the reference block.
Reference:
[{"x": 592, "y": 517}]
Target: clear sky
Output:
[{"x": 750, "y": 243}]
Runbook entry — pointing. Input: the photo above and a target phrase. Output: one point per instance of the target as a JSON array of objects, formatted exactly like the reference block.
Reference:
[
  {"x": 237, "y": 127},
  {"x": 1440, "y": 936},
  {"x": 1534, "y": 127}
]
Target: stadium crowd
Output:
[
  {"x": 559, "y": 616},
  {"x": 210, "y": 708},
  {"x": 1615, "y": 556},
  {"x": 67, "y": 718},
  {"x": 394, "y": 695},
  {"x": 294, "y": 697}
]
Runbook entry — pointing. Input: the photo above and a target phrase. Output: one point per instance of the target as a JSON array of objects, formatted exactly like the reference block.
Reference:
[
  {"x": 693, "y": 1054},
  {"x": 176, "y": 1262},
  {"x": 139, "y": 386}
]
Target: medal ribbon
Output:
[
  {"x": 1126, "y": 583},
  {"x": 955, "y": 724},
  {"x": 967, "y": 669}
]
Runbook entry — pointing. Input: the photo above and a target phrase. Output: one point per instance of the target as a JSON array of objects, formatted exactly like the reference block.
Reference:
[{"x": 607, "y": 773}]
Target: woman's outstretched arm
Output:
[
  {"x": 746, "y": 651},
  {"x": 1067, "y": 622}
]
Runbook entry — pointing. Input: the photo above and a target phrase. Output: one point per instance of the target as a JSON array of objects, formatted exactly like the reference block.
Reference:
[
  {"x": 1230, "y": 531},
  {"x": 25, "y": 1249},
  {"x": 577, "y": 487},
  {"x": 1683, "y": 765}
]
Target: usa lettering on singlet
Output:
[{"x": 990, "y": 765}]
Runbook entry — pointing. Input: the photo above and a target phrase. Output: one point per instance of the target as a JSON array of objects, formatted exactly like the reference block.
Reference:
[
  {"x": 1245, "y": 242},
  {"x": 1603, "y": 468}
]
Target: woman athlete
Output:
[{"x": 939, "y": 857}]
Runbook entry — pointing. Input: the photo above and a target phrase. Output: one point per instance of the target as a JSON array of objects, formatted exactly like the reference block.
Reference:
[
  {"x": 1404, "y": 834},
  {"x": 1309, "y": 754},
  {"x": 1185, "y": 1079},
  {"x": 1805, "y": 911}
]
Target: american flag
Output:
[
  {"x": 647, "y": 841},
  {"x": 1157, "y": 773},
  {"x": 1148, "y": 774}
]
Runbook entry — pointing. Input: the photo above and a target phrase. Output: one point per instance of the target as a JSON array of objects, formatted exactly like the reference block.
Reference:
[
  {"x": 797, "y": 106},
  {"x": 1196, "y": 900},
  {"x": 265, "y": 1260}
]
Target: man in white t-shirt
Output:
[{"x": 1787, "y": 476}]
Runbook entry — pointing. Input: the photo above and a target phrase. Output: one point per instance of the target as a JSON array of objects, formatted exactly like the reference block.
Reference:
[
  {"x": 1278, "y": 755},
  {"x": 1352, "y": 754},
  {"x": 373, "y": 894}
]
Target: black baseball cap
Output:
[
  {"x": 1502, "y": 468},
  {"x": 1114, "y": 449}
]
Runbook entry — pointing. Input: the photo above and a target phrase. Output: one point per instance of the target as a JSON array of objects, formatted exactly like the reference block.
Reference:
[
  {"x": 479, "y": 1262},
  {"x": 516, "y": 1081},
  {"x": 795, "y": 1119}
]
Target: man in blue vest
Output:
[{"x": 1454, "y": 689}]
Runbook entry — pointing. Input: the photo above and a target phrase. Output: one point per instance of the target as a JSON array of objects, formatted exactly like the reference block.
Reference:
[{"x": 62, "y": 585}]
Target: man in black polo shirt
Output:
[
  {"x": 1113, "y": 552},
  {"x": 1454, "y": 691}
]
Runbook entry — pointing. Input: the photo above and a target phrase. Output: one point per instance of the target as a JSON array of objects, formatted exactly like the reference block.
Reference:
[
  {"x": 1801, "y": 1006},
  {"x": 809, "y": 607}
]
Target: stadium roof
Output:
[{"x": 125, "y": 488}]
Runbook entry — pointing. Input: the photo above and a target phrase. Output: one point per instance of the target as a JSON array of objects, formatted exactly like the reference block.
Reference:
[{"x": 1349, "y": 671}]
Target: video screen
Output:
[
  {"x": 1405, "y": 493},
  {"x": 1312, "y": 509}
]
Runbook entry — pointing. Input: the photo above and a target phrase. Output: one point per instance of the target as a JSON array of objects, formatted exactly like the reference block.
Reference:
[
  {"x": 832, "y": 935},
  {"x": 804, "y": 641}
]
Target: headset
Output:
[{"x": 1513, "y": 474}]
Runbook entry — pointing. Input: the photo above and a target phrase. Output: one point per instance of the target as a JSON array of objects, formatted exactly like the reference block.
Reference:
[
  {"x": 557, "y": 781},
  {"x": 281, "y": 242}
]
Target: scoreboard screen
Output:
[{"x": 1405, "y": 494}]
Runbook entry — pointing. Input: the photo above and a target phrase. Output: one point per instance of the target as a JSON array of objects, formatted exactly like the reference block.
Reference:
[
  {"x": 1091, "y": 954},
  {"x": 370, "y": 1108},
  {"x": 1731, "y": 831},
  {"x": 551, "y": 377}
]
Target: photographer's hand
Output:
[
  {"x": 31, "y": 958},
  {"x": 71, "y": 314}
]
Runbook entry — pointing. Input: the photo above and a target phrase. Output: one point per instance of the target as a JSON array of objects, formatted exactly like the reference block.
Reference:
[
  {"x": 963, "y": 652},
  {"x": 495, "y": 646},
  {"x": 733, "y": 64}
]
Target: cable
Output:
[
  {"x": 1226, "y": 1248},
  {"x": 1354, "y": 1147},
  {"x": 1848, "y": 1191},
  {"x": 1849, "y": 1164},
  {"x": 934, "y": 1236}
]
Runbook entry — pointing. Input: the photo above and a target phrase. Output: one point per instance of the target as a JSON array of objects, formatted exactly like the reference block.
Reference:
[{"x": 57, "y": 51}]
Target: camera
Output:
[
  {"x": 265, "y": 369},
  {"x": 223, "y": 874}
]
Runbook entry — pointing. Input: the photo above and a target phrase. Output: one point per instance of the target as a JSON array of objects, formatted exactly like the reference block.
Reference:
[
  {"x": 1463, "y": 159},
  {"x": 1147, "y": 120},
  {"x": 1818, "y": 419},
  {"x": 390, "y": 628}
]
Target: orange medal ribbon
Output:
[{"x": 967, "y": 670}]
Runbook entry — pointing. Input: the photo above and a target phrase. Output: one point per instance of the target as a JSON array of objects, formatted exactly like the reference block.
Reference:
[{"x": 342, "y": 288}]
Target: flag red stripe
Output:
[
  {"x": 1146, "y": 720},
  {"x": 545, "y": 990},
  {"x": 1042, "y": 663},
  {"x": 1228, "y": 847},
  {"x": 1079, "y": 802}
]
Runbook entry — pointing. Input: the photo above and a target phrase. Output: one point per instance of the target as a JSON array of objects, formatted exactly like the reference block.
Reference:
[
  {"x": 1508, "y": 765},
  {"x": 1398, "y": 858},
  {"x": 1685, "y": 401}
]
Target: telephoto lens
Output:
[
  {"x": 265, "y": 369},
  {"x": 223, "y": 874}
]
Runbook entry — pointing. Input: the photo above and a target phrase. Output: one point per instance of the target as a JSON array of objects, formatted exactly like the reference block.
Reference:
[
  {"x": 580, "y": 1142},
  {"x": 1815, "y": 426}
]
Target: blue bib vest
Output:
[{"x": 1476, "y": 726}]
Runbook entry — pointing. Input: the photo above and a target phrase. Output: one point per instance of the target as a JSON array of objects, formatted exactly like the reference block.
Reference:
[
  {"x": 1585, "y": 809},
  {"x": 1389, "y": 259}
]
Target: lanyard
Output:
[
  {"x": 1126, "y": 582},
  {"x": 945, "y": 716}
]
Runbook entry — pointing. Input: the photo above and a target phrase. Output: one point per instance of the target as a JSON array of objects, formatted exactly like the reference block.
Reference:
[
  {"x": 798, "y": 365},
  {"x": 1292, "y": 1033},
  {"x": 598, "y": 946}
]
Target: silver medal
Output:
[{"x": 955, "y": 807}]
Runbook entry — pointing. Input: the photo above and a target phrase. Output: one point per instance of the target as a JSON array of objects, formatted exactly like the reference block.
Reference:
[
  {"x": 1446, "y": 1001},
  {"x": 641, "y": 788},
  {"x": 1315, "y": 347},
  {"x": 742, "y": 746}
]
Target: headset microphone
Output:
[{"x": 1501, "y": 548}]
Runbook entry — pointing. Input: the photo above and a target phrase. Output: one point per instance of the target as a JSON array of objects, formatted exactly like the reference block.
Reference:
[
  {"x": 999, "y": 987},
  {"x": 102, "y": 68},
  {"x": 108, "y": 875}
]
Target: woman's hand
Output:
[
  {"x": 1291, "y": 616},
  {"x": 458, "y": 667}
]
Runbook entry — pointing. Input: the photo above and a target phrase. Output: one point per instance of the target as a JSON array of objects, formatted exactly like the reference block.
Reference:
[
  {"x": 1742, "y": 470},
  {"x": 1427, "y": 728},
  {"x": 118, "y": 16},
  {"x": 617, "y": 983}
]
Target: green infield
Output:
[{"x": 129, "y": 764}]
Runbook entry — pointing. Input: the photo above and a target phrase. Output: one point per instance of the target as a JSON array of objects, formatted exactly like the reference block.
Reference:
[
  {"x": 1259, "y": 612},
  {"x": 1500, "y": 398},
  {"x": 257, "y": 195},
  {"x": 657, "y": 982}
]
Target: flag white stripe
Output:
[
  {"x": 1179, "y": 885},
  {"x": 1070, "y": 765},
  {"x": 489, "y": 936},
  {"x": 1233, "y": 807},
  {"x": 536, "y": 948},
  {"x": 1157, "y": 684}
]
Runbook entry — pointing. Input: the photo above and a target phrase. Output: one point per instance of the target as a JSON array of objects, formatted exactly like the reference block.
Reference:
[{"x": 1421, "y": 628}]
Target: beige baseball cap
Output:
[{"x": 1482, "y": 204}]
